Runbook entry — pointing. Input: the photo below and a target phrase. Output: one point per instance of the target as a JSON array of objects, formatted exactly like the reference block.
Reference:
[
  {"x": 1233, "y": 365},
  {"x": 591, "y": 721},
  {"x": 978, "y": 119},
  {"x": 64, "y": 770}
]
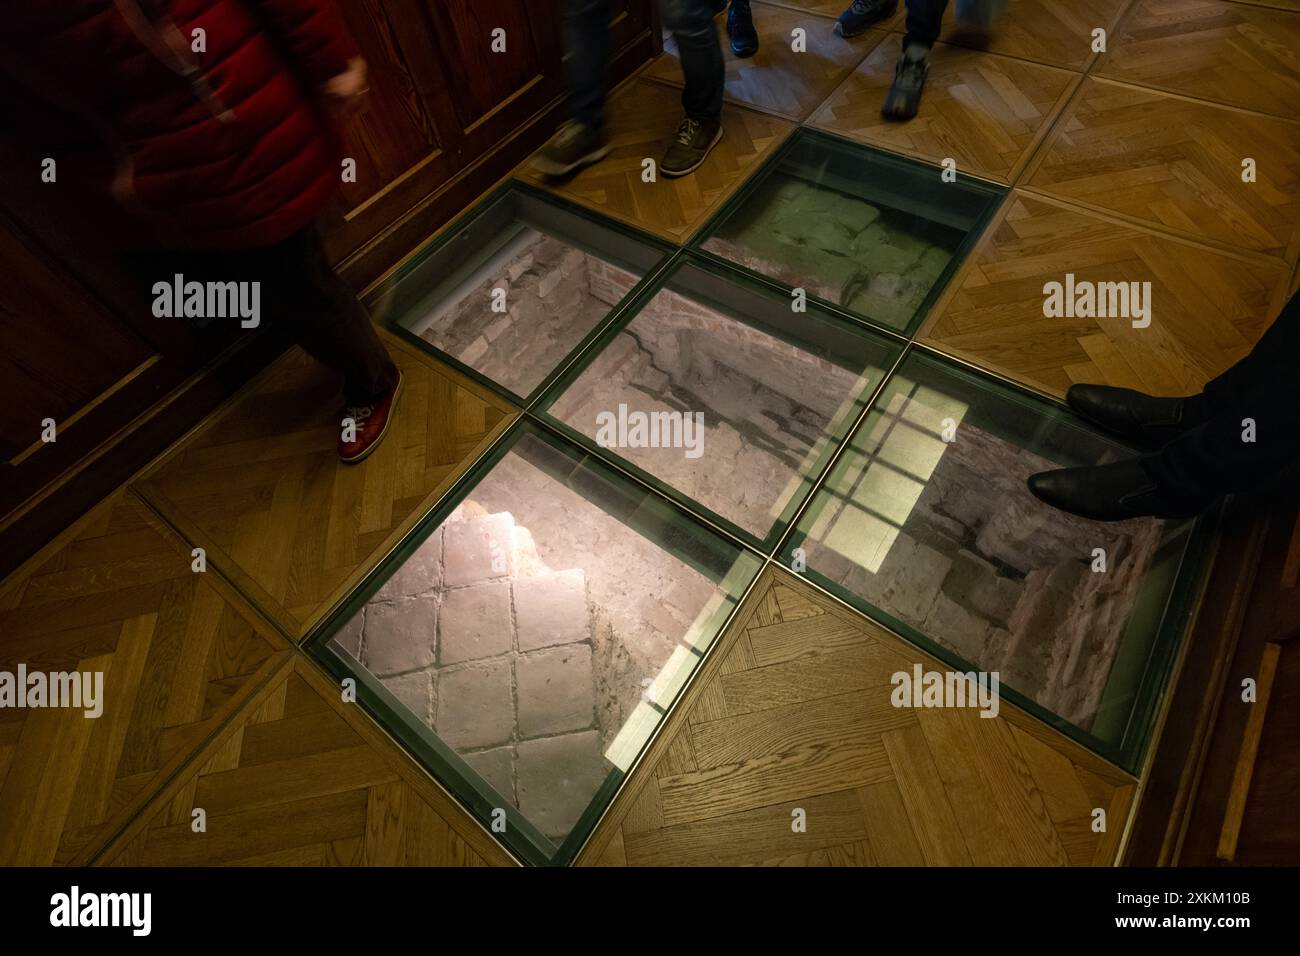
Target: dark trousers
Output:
[
  {"x": 301, "y": 297},
  {"x": 692, "y": 26},
  {"x": 1212, "y": 458},
  {"x": 924, "y": 21}
]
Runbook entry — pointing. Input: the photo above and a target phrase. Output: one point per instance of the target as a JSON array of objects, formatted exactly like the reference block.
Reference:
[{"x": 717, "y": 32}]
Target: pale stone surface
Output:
[
  {"x": 474, "y": 623},
  {"x": 497, "y": 767},
  {"x": 552, "y": 609},
  {"x": 348, "y": 639},
  {"x": 415, "y": 691},
  {"x": 557, "y": 777},
  {"x": 476, "y": 705},
  {"x": 400, "y": 637},
  {"x": 477, "y": 549},
  {"x": 419, "y": 574},
  {"x": 555, "y": 690}
]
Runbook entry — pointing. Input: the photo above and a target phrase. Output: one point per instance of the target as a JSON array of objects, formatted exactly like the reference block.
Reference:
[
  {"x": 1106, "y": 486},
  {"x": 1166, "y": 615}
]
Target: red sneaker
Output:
[{"x": 370, "y": 425}]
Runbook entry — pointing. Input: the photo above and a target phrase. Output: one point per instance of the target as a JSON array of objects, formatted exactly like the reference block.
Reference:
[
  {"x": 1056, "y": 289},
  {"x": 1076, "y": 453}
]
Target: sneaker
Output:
[
  {"x": 692, "y": 145},
  {"x": 740, "y": 28},
  {"x": 573, "y": 146},
  {"x": 862, "y": 14},
  {"x": 371, "y": 425},
  {"x": 904, "y": 97}
]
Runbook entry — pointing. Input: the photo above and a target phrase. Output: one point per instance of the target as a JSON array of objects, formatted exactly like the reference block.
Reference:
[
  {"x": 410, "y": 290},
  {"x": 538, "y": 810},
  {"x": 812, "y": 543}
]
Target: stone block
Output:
[
  {"x": 551, "y": 609},
  {"x": 476, "y": 705},
  {"x": 557, "y": 778},
  {"x": 348, "y": 639},
  {"x": 976, "y": 584},
  {"x": 477, "y": 548},
  {"x": 555, "y": 689},
  {"x": 415, "y": 691},
  {"x": 400, "y": 637},
  {"x": 421, "y": 573},
  {"x": 497, "y": 767},
  {"x": 474, "y": 623}
]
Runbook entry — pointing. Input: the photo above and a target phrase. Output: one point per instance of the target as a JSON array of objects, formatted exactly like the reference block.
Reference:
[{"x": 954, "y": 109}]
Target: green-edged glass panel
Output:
[
  {"x": 516, "y": 288},
  {"x": 719, "y": 389},
  {"x": 873, "y": 233},
  {"x": 526, "y": 641},
  {"x": 926, "y": 521}
]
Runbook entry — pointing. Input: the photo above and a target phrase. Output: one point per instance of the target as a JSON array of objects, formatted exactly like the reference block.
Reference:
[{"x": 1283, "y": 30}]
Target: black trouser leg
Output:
[
  {"x": 586, "y": 37},
  {"x": 692, "y": 26},
  {"x": 924, "y": 21}
]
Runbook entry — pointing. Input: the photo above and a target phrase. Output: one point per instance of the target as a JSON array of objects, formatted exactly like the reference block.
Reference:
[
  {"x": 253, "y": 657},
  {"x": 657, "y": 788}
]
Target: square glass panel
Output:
[
  {"x": 516, "y": 289},
  {"x": 927, "y": 519},
  {"x": 718, "y": 389},
  {"x": 527, "y": 641},
  {"x": 875, "y": 234}
]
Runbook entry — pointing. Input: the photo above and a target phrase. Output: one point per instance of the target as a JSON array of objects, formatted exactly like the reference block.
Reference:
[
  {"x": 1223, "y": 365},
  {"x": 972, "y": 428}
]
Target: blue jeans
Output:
[{"x": 587, "y": 38}]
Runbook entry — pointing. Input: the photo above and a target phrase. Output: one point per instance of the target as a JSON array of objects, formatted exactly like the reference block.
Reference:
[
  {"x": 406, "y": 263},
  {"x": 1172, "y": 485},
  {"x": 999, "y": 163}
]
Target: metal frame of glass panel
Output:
[
  {"x": 649, "y": 513},
  {"x": 877, "y": 165},
  {"x": 522, "y": 838}
]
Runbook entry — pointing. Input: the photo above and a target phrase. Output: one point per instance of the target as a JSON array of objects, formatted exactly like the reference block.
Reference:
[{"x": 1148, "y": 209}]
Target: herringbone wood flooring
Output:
[
  {"x": 1231, "y": 53},
  {"x": 1177, "y": 163},
  {"x": 176, "y": 658},
  {"x": 1208, "y": 307},
  {"x": 795, "y": 713},
  {"x": 642, "y": 118},
  {"x": 778, "y": 79},
  {"x": 1057, "y": 32},
  {"x": 262, "y": 489},
  {"x": 986, "y": 112},
  {"x": 301, "y": 779}
]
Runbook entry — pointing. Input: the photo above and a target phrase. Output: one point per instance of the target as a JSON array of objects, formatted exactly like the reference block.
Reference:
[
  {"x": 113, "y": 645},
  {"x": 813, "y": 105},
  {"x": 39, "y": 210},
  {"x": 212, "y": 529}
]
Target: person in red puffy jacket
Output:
[{"x": 201, "y": 133}]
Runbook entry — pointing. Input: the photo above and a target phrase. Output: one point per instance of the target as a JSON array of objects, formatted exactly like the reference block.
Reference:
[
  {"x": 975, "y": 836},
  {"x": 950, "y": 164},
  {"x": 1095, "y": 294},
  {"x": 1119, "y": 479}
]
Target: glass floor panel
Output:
[
  {"x": 871, "y": 233},
  {"x": 718, "y": 389},
  {"x": 513, "y": 291},
  {"x": 927, "y": 520},
  {"x": 526, "y": 642}
]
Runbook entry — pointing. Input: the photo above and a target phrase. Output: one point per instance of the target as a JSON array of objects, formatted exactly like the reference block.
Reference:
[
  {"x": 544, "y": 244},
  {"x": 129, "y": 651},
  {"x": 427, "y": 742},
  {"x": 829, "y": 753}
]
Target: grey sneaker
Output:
[
  {"x": 573, "y": 146},
  {"x": 904, "y": 97},
  {"x": 690, "y": 147}
]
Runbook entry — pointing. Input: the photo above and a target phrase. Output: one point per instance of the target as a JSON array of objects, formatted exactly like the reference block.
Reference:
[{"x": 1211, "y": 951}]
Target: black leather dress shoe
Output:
[
  {"x": 1135, "y": 415},
  {"x": 740, "y": 28},
  {"x": 1114, "y": 492}
]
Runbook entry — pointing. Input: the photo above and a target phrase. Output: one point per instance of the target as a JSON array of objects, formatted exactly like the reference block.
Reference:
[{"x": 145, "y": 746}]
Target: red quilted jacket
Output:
[{"x": 226, "y": 147}]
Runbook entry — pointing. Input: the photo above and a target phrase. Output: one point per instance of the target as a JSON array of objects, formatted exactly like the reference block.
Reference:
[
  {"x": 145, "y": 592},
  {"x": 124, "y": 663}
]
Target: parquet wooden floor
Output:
[
  {"x": 1177, "y": 163},
  {"x": 833, "y": 8},
  {"x": 1232, "y": 53},
  {"x": 1208, "y": 307},
  {"x": 794, "y": 713},
  {"x": 1056, "y": 32},
  {"x": 177, "y": 659},
  {"x": 777, "y": 79},
  {"x": 987, "y": 112},
  {"x": 262, "y": 490},
  {"x": 643, "y": 116},
  {"x": 302, "y": 779}
]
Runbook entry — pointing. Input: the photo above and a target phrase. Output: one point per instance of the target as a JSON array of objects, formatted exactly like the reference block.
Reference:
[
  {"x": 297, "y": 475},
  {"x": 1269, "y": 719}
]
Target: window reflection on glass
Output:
[
  {"x": 943, "y": 536},
  {"x": 545, "y": 626}
]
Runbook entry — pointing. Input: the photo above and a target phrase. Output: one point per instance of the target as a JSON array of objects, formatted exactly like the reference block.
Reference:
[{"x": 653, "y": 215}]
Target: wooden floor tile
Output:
[
  {"x": 872, "y": 784},
  {"x": 1177, "y": 163},
  {"x": 642, "y": 118},
  {"x": 176, "y": 660},
  {"x": 1056, "y": 32},
  {"x": 777, "y": 79},
  {"x": 1227, "y": 52},
  {"x": 833, "y": 8},
  {"x": 262, "y": 490},
  {"x": 1208, "y": 307},
  {"x": 301, "y": 779},
  {"x": 987, "y": 112}
]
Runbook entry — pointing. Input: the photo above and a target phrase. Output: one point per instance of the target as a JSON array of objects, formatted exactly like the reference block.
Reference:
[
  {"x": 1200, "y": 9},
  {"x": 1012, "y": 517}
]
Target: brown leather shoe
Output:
[{"x": 371, "y": 425}]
